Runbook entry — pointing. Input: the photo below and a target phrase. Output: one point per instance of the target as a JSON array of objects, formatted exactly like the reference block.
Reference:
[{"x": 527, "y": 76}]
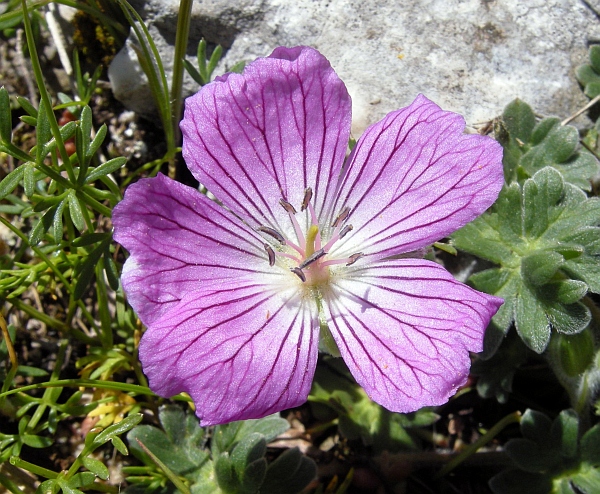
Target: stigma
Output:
[{"x": 308, "y": 255}]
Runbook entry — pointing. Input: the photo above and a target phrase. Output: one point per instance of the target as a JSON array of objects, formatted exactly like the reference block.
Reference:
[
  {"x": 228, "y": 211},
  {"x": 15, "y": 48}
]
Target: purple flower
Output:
[{"x": 308, "y": 251}]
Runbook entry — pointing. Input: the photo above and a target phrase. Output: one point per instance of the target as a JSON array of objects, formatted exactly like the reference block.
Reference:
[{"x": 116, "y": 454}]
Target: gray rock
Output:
[{"x": 470, "y": 56}]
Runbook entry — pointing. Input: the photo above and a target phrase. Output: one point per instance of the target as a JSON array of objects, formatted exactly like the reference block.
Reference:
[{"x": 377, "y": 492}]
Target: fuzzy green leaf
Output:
[
  {"x": 547, "y": 243},
  {"x": 290, "y": 473}
]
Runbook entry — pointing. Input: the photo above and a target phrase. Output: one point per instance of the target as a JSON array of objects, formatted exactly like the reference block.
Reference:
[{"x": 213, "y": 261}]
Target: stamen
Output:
[
  {"x": 298, "y": 272},
  {"x": 287, "y": 206},
  {"x": 309, "y": 260},
  {"x": 344, "y": 213},
  {"x": 307, "y": 197},
  {"x": 347, "y": 229},
  {"x": 354, "y": 257},
  {"x": 271, "y": 254},
  {"x": 273, "y": 233}
]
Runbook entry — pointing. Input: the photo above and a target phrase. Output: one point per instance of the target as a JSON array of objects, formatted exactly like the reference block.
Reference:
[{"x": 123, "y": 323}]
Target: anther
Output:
[
  {"x": 273, "y": 233},
  {"x": 347, "y": 229},
  {"x": 287, "y": 206},
  {"x": 353, "y": 258},
  {"x": 307, "y": 197},
  {"x": 271, "y": 254},
  {"x": 298, "y": 272},
  {"x": 310, "y": 259},
  {"x": 344, "y": 213}
]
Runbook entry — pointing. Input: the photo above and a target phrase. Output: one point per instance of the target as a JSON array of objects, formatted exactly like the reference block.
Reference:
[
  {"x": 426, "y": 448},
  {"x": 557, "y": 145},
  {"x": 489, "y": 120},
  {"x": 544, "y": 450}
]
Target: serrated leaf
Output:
[
  {"x": 531, "y": 321},
  {"x": 547, "y": 268},
  {"x": 568, "y": 318},
  {"x": 519, "y": 120},
  {"x": 539, "y": 268},
  {"x": 529, "y": 148},
  {"x": 178, "y": 447}
]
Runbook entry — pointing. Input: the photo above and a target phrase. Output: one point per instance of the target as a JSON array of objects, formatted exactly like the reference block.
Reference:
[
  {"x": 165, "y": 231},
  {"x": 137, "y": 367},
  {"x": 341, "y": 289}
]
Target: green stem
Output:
[
  {"x": 48, "y": 394},
  {"x": 30, "y": 467},
  {"x": 514, "y": 417},
  {"x": 181, "y": 41},
  {"x": 39, "y": 78},
  {"x": 86, "y": 383}
]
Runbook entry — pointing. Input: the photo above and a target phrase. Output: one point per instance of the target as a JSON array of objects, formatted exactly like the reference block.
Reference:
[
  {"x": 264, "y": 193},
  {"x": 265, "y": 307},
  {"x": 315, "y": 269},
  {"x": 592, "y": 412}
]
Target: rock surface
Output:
[{"x": 470, "y": 56}]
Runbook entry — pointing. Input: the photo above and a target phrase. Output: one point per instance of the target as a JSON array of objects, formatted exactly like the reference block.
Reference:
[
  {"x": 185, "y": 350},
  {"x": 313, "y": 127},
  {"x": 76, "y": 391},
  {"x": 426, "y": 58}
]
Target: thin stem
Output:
[
  {"x": 39, "y": 78},
  {"x": 87, "y": 383},
  {"x": 181, "y": 41},
  {"x": 512, "y": 418}
]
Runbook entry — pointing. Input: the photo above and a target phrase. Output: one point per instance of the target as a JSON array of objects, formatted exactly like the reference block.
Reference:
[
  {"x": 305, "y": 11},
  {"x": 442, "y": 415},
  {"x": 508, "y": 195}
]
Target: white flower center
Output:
[{"x": 310, "y": 256}]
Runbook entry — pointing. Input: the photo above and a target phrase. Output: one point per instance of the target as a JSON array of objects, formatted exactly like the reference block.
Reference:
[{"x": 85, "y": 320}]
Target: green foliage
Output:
[
  {"x": 495, "y": 375},
  {"x": 529, "y": 147},
  {"x": 589, "y": 74},
  {"x": 235, "y": 462},
  {"x": 335, "y": 394},
  {"x": 545, "y": 239},
  {"x": 551, "y": 457},
  {"x": 203, "y": 74}
]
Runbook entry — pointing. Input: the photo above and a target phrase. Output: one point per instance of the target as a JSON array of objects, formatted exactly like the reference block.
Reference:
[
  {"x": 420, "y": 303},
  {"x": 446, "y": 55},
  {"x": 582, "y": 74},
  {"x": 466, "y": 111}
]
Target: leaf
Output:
[
  {"x": 530, "y": 147},
  {"x": 76, "y": 211},
  {"x": 359, "y": 417},
  {"x": 545, "y": 237},
  {"x": 519, "y": 120},
  {"x": 36, "y": 441},
  {"x": 43, "y": 132},
  {"x": 178, "y": 447},
  {"x": 531, "y": 321},
  {"x": 5, "y": 116},
  {"x": 117, "y": 429},
  {"x": 110, "y": 166},
  {"x": 495, "y": 375},
  {"x": 518, "y": 482},
  {"x": 96, "y": 467},
  {"x": 10, "y": 182},
  {"x": 565, "y": 433},
  {"x": 290, "y": 473}
]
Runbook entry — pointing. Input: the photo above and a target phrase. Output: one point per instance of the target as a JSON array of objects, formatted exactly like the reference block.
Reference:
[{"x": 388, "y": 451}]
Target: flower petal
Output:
[
  {"x": 414, "y": 178},
  {"x": 241, "y": 351},
  {"x": 269, "y": 133},
  {"x": 178, "y": 239},
  {"x": 405, "y": 328}
]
